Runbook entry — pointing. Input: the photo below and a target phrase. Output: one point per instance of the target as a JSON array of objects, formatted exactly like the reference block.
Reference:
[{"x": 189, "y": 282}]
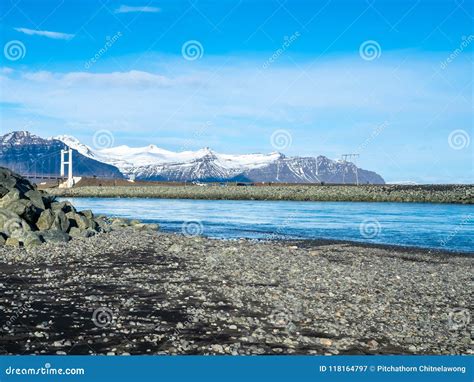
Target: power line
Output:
[{"x": 345, "y": 158}]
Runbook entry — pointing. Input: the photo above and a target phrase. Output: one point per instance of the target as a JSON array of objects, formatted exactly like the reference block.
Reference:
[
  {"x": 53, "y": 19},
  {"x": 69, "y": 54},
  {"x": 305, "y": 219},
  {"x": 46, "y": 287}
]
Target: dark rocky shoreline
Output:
[{"x": 145, "y": 292}]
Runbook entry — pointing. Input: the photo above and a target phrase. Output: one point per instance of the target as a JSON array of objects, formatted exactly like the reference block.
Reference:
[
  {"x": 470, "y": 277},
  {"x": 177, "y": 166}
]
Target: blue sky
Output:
[{"x": 391, "y": 80}]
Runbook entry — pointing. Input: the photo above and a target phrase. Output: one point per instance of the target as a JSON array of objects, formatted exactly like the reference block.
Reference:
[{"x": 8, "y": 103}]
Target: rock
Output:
[
  {"x": 24, "y": 208},
  {"x": 119, "y": 222},
  {"x": 217, "y": 348},
  {"x": 36, "y": 198},
  {"x": 175, "y": 248},
  {"x": 12, "y": 242},
  {"x": 325, "y": 341},
  {"x": 6, "y": 218},
  {"x": 29, "y": 217},
  {"x": 11, "y": 223},
  {"x": 61, "y": 222},
  {"x": 18, "y": 207},
  {"x": 372, "y": 344},
  {"x": 30, "y": 239},
  {"x": 45, "y": 221},
  {"x": 77, "y": 220},
  {"x": 88, "y": 214},
  {"x": 75, "y": 232},
  {"x": 143, "y": 226},
  {"x": 54, "y": 236},
  {"x": 62, "y": 206}
]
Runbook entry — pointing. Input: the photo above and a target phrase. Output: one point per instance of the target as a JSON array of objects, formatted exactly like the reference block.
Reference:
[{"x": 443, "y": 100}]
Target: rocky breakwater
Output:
[{"x": 30, "y": 217}]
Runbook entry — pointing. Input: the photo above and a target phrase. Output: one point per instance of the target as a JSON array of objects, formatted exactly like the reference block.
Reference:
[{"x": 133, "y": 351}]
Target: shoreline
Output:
[
  {"x": 160, "y": 293},
  {"x": 414, "y": 250},
  {"x": 453, "y": 194}
]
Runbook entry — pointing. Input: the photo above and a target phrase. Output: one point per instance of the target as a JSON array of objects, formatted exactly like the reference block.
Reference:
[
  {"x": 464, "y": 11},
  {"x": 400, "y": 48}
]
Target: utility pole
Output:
[
  {"x": 70, "y": 180},
  {"x": 345, "y": 157}
]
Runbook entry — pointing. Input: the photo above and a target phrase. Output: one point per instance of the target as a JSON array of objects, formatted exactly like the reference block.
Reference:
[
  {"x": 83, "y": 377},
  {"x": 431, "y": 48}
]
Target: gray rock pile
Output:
[{"x": 29, "y": 217}]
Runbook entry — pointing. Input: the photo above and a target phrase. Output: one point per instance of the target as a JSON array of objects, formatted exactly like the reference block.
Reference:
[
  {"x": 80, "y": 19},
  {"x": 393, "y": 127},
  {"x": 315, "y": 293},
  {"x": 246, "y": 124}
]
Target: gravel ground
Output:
[
  {"x": 365, "y": 193},
  {"x": 145, "y": 292}
]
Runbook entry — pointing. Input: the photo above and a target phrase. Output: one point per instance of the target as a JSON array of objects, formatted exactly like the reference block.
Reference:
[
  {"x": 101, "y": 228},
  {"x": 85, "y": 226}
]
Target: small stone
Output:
[
  {"x": 325, "y": 341},
  {"x": 12, "y": 242}
]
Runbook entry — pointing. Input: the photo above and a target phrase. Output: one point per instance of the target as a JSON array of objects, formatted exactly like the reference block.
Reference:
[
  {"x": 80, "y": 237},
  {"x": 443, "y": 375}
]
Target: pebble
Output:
[{"x": 254, "y": 298}]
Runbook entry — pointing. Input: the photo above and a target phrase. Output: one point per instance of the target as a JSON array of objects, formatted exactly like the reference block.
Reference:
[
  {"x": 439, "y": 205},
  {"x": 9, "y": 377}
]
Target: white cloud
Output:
[
  {"x": 131, "y": 80},
  {"x": 330, "y": 107},
  {"x": 6, "y": 70},
  {"x": 144, "y": 9},
  {"x": 49, "y": 34}
]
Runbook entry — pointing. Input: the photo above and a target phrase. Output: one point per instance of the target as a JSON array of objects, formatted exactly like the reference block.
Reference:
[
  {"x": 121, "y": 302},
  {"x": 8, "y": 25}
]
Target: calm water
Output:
[{"x": 449, "y": 227}]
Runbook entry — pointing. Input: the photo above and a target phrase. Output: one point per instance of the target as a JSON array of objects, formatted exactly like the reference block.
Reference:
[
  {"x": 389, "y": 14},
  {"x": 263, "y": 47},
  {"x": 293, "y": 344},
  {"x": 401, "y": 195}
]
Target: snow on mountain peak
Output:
[
  {"x": 126, "y": 158},
  {"x": 154, "y": 163},
  {"x": 19, "y": 138},
  {"x": 75, "y": 144}
]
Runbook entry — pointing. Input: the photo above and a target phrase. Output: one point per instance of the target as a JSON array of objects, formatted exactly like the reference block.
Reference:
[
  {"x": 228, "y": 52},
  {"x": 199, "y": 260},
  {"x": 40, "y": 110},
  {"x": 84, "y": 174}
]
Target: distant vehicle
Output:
[{"x": 200, "y": 184}]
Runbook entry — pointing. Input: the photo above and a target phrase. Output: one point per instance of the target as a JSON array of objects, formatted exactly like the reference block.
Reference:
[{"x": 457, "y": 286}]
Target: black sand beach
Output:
[{"x": 144, "y": 292}]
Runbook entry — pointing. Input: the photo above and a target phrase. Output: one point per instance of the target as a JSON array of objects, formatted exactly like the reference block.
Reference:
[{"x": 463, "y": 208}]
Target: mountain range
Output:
[{"x": 25, "y": 152}]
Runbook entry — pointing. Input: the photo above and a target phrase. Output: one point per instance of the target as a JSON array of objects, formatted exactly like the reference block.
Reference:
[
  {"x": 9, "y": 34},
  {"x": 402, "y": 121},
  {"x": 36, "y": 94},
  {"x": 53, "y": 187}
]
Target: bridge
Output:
[
  {"x": 45, "y": 177},
  {"x": 65, "y": 173}
]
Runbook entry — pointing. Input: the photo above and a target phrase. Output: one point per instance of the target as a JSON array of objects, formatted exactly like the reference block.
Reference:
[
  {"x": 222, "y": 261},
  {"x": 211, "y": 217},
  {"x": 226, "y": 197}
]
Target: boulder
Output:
[
  {"x": 77, "y": 232},
  {"x": 143, "y": 226},
  {"x": 10, "y": 222},
  {"x": 79, "y": 221},
  {"x": 36, "y": 198},
  {"x": 30, "y": 239},
  {"x": 12, "y": 196},
  {"x": 54, "y": 236},
  {"x": 61, "y": 222},
  {"x": 29, "y": 217},
  {"x": 12, "y": 242},
  {"x": 62, "y": 206},
  {"x": 88, "y": 214},
  {"x": 25, "y": 209},
  {"x": 45, "y": 221}
]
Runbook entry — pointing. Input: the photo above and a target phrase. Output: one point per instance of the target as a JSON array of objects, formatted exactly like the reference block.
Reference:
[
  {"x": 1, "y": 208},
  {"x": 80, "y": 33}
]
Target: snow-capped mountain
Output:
[
  {"x": 153, "y": 163},
  {"x": 29, "y": 154}
]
